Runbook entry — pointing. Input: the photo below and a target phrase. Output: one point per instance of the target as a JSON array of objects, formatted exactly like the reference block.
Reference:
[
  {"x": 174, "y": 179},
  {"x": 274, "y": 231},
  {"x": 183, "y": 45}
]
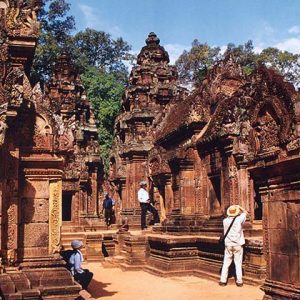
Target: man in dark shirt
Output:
[{"x": 108, "y": 205}]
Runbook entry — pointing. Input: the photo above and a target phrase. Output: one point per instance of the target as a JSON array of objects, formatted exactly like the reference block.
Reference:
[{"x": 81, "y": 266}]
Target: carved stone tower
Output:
[{"x": 152, "y": 86}]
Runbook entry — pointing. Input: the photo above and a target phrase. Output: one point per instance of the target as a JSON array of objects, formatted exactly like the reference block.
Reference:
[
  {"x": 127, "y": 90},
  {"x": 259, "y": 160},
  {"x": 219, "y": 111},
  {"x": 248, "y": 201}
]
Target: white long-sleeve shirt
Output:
[
  {"x": 143, "y": 196},
  {"x": 75, "y": 261},
  {"x": 235, "y": 235}
]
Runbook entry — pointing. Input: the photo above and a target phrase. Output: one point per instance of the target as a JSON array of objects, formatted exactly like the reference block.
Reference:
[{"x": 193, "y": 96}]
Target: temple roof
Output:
[
  {"x": 221, "y": 82},
  {"x": 153, "y": 53}
]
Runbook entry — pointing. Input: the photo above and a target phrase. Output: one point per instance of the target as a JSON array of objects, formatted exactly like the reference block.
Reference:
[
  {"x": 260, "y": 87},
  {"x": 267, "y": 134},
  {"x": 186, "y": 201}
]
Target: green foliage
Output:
[
  {"x": 104, "y": 92},
  {"x": 56, "y": 27},
  {"x": 244, "y": 55},
  {"x": 97, "y": 48},
  {"x": 193, "y": 65},
  {"x": 96, "y": 55},
  {"x": 286, "y": 63}
]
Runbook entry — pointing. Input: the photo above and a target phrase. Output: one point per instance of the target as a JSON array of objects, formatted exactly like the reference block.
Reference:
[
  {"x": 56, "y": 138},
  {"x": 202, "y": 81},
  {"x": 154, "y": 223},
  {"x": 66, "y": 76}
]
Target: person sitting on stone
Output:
[
  {"x": 234, "y": 242},
  {"x": 82, "y": 276},
  {"x": 143, "y": 198},
  {"x": 108, "y": 204}
]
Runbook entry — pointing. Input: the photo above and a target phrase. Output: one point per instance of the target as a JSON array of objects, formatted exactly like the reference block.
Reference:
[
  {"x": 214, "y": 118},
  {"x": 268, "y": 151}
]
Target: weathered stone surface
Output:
[
  {"x": 234, "y": 140},
  {"x": 35, "y": 143}
]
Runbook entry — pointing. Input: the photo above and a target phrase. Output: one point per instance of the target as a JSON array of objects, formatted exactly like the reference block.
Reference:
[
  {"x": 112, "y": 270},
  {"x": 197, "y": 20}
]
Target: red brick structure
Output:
[
  {"x": 48, "y": 150},
  {"x": 76, "y": 141},
  {"x": 152, "y": 85},
  {"x": 234, "y": 140}
]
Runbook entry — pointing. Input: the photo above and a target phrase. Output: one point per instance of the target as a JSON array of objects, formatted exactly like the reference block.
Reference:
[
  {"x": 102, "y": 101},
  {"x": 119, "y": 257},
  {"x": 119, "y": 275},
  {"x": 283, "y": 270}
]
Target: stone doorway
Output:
[
  {"x": 215, "y": 195},
  {"x": 258, "y": 208},
  {"x": 67, "y": 206}
]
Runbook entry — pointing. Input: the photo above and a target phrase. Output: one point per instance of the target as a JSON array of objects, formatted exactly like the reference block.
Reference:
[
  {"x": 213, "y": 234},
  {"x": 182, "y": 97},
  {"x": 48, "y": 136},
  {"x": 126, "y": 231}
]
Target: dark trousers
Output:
[
  {"x": 108, "y": 214},
  {"x": 84, "y": 279},
  {"x": 148, "y": 207}
]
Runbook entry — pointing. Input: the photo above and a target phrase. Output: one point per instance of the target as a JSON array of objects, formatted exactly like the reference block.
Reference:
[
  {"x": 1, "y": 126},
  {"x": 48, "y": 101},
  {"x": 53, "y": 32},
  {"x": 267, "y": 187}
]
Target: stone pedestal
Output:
[
  {"x": 93, "y": 247},
  {"x": 135, "y": 251}
]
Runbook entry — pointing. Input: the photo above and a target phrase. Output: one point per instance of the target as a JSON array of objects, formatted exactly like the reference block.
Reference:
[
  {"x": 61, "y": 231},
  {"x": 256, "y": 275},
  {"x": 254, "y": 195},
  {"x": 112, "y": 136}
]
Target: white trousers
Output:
[{"x": 235, "y": 253}]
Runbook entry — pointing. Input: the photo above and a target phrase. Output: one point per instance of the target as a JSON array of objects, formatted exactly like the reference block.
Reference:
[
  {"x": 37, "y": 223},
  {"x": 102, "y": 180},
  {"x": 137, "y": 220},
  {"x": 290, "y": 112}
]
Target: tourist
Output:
[
  {"x": 143, "y": 198},
  {"x": 82, "y": 276},
  {"x": 234, "y": 241},
  {"x": 108, "y": 208}
]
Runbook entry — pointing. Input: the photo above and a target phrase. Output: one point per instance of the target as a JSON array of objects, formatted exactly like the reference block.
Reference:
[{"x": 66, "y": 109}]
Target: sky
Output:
[{"x": 178, "y": 22}]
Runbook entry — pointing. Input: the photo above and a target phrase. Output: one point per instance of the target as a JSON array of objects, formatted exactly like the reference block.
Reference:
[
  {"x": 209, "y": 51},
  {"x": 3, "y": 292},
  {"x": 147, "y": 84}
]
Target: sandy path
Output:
[{"x": 114, "y": 284}]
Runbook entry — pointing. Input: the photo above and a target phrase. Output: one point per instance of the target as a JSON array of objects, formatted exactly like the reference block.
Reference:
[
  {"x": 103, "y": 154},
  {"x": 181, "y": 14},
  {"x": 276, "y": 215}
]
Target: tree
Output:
[
  {"x": 97, "y": 48},
  {"x": 286, "y": 63},
  {"x": 104, "y": 92},
  {"x": 244, "y": 55},
  {"x": 56, "y": 28},
  {"x": 193, "y": 65}
]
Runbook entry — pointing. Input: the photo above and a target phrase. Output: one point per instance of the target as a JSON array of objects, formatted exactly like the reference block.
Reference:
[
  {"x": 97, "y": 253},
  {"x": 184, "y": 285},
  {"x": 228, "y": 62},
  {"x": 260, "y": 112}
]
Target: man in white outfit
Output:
[
  {"x": 143, "y": 198},
  {"x": 234, "y": 242}
]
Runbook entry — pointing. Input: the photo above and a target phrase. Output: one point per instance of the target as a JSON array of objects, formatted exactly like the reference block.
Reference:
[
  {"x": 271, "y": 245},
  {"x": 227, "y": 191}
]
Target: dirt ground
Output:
[{"x": 114, "y": 284}]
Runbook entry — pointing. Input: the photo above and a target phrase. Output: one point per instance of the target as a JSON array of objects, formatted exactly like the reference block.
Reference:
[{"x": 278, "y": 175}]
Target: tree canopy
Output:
[
  {"x": 98, "y": 58},
  {"x": 104, "y": 92},
  {"x": 194, "y": 64}
]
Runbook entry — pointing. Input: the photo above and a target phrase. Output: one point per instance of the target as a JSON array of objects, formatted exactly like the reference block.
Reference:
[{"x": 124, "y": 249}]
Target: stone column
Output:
[
  {"x": 40, "y": 214},
  {"x": 92, "y": 208},
  {"x": 55, "y": 215},
  {"x": 280, "y": 191},
  {"x": 169, "y": 197}
]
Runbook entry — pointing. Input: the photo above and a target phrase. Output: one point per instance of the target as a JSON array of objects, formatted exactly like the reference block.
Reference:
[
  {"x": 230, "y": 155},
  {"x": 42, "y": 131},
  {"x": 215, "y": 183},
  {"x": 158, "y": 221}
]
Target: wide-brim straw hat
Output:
[{"x": 233, "y": 210}]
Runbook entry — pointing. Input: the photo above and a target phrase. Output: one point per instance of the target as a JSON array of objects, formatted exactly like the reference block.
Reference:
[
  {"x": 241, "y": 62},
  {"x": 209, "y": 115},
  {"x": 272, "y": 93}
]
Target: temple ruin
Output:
[
  {"x": 233, "y": 140},
  {"x": 50, "y": 169}
]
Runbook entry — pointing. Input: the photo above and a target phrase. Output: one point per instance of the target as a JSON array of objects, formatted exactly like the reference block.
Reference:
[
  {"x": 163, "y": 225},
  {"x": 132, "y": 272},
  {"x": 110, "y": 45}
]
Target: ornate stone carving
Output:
[{"x": 55, "y": 215}]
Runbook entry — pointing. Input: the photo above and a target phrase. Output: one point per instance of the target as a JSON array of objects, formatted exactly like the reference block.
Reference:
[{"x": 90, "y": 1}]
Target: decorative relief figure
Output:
[{"x": 267, "y": 132}]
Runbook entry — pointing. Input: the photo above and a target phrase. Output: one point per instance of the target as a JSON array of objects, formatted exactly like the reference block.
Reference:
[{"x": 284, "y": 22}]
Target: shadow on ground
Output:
[{"x": 97, "y": 289}]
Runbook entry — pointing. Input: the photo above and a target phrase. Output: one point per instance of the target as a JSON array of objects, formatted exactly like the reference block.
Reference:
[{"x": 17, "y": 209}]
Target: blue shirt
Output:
[{"x": 75, "y": 262}]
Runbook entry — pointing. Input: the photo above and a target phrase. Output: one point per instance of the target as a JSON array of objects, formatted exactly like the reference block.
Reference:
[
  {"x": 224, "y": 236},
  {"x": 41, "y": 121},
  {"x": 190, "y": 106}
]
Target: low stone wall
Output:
[{"x": 199, "y": 255}]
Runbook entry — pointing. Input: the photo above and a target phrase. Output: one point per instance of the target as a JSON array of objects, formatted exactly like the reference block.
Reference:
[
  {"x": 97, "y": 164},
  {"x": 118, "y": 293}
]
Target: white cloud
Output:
[
  {"x": 257, "y": 49},
  {"x": 291, "y": 45},
  {"x": 294, "y": 29},
  {"x": 175, "y": 50},
  {"x": 92, "y": 21}
]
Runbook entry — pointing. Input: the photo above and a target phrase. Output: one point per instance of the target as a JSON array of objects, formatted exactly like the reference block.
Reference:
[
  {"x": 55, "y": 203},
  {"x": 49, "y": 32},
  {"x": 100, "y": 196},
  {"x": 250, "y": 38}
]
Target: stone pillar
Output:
[
  {"x": 169, "y": 197},
  {"x": 93, "y": 247},
  {"x": 280, "y": 191},
  {"x": 55, "y": 215},
  {"x": 41, "y": 214},
  {"x": 92, "y": 208}
]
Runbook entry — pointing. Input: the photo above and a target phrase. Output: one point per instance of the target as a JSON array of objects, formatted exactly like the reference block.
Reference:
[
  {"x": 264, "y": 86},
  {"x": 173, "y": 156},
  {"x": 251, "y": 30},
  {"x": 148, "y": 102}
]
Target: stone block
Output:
[
  {"x": 294, "y": 269},
  {"x": 35, "y": 210},
  {"x": 36, "y": 189},
  {"x": 284, "y": 241},
  {"x": 293, "y": 215},
  {"x": 277, "y": 215},
  {"x": 280, "y": 267},
  {"x": 34, "y": 234},
  {"x": 31, "y": 252}
]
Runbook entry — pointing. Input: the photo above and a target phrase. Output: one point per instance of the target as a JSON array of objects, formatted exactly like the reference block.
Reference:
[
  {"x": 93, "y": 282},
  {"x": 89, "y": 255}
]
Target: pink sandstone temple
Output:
[{"x": 233, "y": 140}]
